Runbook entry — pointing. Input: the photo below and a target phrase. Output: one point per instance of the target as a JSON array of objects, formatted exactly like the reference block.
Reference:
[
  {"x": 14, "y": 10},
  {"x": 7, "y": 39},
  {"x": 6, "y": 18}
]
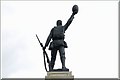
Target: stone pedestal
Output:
[{"x": 59, "y": 75}]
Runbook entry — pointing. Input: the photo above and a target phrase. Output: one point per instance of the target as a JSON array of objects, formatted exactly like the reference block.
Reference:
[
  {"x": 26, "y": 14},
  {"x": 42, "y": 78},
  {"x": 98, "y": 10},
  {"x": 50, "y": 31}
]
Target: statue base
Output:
[
  {"x": 59, "y": 75},
  {"x": 60, "y": 70}
]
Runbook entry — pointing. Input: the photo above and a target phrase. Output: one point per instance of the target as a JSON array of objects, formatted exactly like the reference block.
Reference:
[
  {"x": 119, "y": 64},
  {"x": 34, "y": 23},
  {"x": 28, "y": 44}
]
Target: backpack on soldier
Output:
[{"x": 58, "y": 32}]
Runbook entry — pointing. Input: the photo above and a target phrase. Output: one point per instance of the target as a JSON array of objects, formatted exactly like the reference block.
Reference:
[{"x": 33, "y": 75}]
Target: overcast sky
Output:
[{"x": 92, "y": 37}]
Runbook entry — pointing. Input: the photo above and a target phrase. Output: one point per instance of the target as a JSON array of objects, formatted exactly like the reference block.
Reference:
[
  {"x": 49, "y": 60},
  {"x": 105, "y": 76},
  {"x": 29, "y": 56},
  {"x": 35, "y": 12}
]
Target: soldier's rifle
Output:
[{"x": 44, "y": 54}]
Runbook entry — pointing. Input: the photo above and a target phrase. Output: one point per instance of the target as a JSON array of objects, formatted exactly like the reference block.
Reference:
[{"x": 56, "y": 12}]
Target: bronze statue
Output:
[{"x": 57, "y": 35}]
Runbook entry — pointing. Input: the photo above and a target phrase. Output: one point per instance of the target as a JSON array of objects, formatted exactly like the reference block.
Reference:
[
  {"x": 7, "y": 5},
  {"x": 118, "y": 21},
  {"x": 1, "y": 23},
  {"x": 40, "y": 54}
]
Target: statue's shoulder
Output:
[
  {"x": 54, "y": 28},
  {"x": 57, "y": 28}
]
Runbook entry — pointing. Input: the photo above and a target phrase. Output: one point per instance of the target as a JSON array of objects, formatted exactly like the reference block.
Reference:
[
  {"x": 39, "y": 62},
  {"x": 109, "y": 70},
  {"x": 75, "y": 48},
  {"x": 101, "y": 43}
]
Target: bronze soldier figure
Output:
[{"x": 58, "y": 44}]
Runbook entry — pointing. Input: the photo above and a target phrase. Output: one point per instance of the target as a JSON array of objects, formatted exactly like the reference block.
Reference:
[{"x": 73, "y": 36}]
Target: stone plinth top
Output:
[{"x": 59, "y": 75}]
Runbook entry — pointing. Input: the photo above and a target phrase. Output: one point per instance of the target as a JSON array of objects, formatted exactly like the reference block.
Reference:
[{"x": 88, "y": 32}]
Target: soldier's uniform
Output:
[{"x": 58, "y": 43}]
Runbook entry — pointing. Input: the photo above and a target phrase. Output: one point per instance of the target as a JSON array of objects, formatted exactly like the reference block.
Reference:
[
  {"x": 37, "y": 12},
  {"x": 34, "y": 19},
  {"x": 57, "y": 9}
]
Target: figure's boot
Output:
[
  {"x": 51, "y": 66},
  {"x": 63, "y": 65}
]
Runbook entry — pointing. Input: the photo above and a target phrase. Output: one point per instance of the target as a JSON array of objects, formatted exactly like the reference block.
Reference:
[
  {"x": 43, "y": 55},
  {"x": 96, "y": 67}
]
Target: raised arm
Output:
[
  {"x": 75, "y": 11},
  {"x": 69, "y": 21}
]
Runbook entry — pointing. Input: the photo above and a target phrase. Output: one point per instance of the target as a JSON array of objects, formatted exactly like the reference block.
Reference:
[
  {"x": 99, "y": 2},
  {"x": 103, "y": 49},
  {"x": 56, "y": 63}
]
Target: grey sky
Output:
[{"x": 93, "y": 52}]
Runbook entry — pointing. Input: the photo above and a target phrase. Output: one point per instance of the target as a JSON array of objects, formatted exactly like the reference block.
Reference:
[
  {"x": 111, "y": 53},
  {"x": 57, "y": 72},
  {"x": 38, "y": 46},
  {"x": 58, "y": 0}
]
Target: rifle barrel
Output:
[{"x": 39, "y": 41}]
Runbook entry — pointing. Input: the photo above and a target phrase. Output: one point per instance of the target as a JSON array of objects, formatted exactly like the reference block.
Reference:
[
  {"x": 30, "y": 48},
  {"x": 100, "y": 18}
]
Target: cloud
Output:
[{"x": 91, "y": 37}]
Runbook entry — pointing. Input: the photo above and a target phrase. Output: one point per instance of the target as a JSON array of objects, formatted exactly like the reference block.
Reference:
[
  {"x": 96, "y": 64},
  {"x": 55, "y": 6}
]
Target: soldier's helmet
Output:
[
  {"x": 59, "y": 22},
  {"x": 75, "y": 9}
]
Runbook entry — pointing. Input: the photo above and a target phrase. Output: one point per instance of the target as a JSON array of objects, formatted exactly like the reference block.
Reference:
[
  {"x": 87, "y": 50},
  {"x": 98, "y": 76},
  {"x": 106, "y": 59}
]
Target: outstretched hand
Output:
[{"x": 75, "y": 9}]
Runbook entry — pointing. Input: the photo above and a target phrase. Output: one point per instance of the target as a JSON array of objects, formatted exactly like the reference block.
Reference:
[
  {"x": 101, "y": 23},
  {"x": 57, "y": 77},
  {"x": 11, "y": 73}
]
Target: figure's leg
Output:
[
  {"x": 62, "y": 56},
  {"x": 53, "y": 58}
]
